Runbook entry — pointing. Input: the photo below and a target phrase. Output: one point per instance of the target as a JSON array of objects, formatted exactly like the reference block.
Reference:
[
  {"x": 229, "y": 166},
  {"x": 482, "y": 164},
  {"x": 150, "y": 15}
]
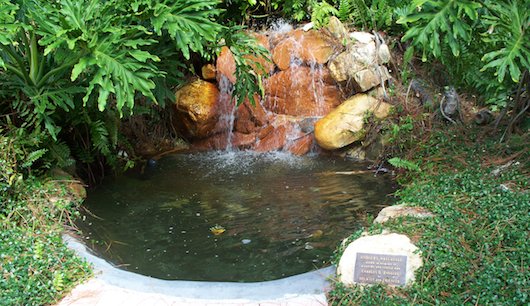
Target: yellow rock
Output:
[
  {"x": 344, "y": 125},
  {"x": 196, "y": 106}
]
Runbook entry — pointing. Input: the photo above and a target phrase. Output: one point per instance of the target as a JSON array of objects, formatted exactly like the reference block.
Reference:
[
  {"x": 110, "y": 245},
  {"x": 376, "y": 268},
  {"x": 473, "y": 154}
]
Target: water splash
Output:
[{"x": 280, "y": 26}]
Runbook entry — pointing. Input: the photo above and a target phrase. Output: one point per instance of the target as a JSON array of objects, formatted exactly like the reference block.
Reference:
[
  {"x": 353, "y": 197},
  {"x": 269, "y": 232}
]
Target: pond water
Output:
[{"x": 282, "y": 215}]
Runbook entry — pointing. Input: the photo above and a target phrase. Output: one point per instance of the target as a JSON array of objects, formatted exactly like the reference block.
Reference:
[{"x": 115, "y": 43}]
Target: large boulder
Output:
[
  {"x": 302, "y": 91},
  {"x": 362, "y": 62},
  {"x": 196, "y": 108},
  {"x": 300, "y": 46},
  {"x": 344, "y": 125}
]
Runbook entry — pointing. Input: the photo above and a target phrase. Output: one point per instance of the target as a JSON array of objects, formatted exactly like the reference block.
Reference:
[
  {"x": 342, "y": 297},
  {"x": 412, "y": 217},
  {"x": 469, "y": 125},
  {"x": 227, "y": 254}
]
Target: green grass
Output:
[
  {"x": 36, "y": 268},
  {"x": 476, "y": 250}
]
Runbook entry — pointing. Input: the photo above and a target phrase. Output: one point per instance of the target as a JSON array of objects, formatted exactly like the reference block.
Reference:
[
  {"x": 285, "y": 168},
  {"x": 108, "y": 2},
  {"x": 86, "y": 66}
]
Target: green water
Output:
[{"x": 283, "y": 215}]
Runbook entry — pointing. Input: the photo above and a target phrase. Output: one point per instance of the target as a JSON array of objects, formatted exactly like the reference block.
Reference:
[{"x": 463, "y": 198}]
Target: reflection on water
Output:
[{"x": 283, "y": 215}]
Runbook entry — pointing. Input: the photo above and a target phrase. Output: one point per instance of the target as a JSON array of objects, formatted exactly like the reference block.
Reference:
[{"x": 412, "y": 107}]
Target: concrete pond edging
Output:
[{"x": 112, "y": 286}]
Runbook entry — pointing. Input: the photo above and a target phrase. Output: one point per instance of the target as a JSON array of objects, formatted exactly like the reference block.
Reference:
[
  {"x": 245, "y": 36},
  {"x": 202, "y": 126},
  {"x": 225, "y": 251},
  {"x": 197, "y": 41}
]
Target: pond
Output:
[{"x": 281, "y": 215}]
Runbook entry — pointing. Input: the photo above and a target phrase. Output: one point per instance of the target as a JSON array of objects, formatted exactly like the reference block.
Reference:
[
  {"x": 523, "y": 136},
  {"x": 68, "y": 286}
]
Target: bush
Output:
[{"x": 36, "y": 268}]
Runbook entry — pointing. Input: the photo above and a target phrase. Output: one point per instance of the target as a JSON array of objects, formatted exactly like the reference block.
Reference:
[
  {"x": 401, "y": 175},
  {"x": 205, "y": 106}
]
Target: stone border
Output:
[{"x": 304, "y": 289}]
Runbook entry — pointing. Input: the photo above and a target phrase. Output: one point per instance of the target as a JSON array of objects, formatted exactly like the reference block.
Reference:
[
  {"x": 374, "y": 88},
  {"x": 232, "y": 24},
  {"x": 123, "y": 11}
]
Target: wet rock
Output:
[
  {"x": 214, "y": 142},
  {"x": 271, "y": 139},
  {"x": 300, "y": 146},
  {"x": 221, "y": 141},
  {"x": 302, "y": 91},
  {"x": 402, "y": 211},
  {"x": 362, "y": 63},
  {"x": 249, "y": 118},
  {"x": 376, "y": 246},
  {"x": 242, "y": 141},
  {"x": 344, "y": 125},
  {"x": 196, "y": 108},
  {"x": 208, "y": 72},
  {"x": 300, "y": 46},
  {"x": 226, "y": 65},
  {"x": 357, "y": 153}
]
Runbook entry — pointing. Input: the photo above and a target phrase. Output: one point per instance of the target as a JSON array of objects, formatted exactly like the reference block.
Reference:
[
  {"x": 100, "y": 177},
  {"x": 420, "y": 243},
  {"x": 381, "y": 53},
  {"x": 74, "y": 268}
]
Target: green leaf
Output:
[
  {"x": 404, "y": 164},
  {"x": 143, "y": 56},
  {"x": 81, "y": 66}
]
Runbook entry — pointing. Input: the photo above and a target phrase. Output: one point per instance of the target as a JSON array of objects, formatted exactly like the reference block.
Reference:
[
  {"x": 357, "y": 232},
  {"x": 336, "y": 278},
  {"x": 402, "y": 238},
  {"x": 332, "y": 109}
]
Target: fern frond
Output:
[
  {"x": 404, "y": 164},
  {"x": 345, "y": 9},
  {"x": 100, "y": 137},
  {"x": 321, "y": 13},
  {"x": 32, "y": 157},
  {"x": 59, "y": 153}
]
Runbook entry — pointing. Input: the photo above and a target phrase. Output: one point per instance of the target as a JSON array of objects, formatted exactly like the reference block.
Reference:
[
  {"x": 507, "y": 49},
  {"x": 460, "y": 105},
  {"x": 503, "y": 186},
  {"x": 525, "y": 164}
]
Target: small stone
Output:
[
  {"x": 208, "y": 72},
  {"x": 402, "y": 211},
  {"x": 246, "y": 241}
]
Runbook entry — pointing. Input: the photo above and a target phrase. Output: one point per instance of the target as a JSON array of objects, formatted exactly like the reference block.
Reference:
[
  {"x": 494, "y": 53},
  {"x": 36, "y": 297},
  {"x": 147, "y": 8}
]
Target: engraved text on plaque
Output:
[{"x": 380, "y": 268}]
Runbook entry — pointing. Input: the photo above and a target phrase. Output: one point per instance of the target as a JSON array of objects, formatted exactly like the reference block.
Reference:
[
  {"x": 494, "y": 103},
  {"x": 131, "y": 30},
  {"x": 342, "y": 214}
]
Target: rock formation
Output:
[{"x": 307, "y": 80}]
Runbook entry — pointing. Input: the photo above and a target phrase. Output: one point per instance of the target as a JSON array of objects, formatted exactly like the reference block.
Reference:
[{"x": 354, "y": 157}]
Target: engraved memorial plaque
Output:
[{"x": 380, "y": 268}]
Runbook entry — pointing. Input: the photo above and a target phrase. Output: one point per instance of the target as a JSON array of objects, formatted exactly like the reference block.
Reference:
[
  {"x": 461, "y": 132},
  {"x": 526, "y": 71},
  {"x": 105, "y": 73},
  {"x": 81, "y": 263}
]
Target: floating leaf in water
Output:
[
  {"x": 217, "y": 230},
  {"x": 316, "y": 234}
]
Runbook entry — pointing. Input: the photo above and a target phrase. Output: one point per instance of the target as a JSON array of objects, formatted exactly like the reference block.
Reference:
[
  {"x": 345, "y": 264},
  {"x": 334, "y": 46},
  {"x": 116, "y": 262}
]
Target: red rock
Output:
[
  {"x": 226, "y": 65},
  {"x": 310, "y": 46},
  {"x": 220, "y": 141},
  {"x": 249, "y": 118},
  {"x": 274, "y": 140},
  {"x": 300, "y": 91},
  {"x": 243, "y": 141},
  {"x": 196, "y": 109},
  {"x": 300, "y": 146},
  {"x": 214, "y": 142},
  {"x": 266, "y": 63}
]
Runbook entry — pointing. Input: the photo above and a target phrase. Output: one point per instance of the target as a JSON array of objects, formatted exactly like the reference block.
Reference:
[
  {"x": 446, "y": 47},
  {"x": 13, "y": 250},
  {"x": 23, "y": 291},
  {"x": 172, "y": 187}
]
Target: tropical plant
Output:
[
  {"x": 489, "y": 37},
  {"x": 245, "y": 49},
  {"x": 59, "y": 60}
]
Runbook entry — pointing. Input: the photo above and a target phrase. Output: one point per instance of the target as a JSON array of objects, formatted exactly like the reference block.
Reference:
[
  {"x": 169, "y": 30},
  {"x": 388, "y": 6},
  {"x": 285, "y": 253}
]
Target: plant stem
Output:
[
  {"x": 15, "y": 57},
  {"x": 56, "y": 70},
  {"x": 34, "y": 59}
]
